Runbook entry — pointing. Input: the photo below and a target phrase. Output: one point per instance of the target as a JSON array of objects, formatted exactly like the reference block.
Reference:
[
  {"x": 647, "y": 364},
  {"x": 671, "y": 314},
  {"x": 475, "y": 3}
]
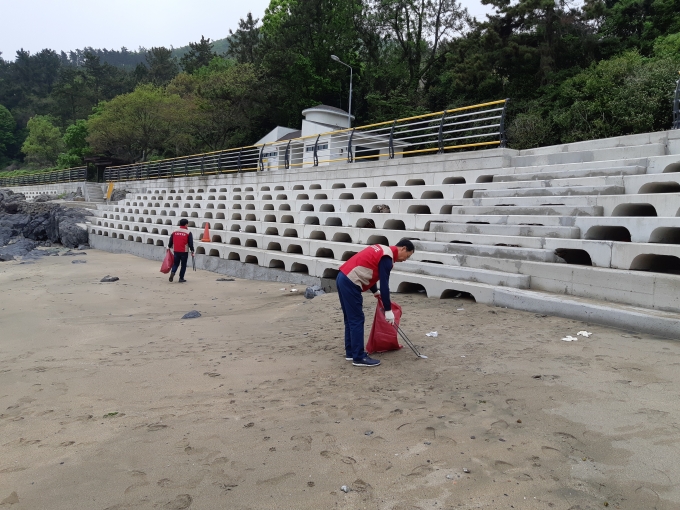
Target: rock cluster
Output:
[
  {"x": 119, "y": 194},
  {"x": 26, "y": 225}
]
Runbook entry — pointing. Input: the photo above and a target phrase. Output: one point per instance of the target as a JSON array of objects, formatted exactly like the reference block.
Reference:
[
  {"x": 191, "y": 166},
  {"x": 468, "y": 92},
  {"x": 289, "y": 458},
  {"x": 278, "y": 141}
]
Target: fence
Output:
[
  {"x": 70, "y": 175},
  {"x": 469, "y": 127},
  {"x": 676, "y": 107}
]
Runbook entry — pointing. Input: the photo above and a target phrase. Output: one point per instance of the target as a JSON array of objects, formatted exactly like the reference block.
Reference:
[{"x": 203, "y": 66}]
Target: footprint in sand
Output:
[
  {"x": 303, "y": 443},
  {"x": 276, "y": 480},
  {"x": 156, "y": 426},
  {"x": 181, "y": 502},
  {"x": 502, "y": 466},
  {"x": 499, "y": 425},
  {"x": 421, "y": 471}
]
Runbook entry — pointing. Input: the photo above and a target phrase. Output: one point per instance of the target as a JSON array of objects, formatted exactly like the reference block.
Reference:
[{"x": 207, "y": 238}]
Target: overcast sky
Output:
[{"x": 64, "y": 25}]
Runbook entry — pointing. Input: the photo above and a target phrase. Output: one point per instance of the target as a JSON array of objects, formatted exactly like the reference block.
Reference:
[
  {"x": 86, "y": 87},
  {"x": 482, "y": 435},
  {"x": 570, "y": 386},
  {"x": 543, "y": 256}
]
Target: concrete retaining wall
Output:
[{"x": 214, "y": 264}]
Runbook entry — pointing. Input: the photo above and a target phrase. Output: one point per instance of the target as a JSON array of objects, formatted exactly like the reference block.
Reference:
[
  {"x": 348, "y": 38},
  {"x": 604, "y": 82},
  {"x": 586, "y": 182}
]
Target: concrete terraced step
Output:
[
  {"x": 550, "y": 192},
  {"x": 509, "y": 219},
  {"x": 427, "y": 250},
  {"x": 566, "y": 174},
  {"x": 538, "y": 210},
  {"x": 615, "y": 315},
  {"x": 467, "y": 274},
  {"x": 507, "y": 230},
  {"x": 586, "y": 156},
  {"x": 656, "y": 322}
]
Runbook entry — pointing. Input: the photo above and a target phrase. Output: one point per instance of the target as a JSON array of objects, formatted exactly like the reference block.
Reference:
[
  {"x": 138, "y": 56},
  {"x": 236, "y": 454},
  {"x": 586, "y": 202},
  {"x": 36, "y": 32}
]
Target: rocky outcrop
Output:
[
  {"x": 119, "y": 194},
  {"x": 23, "y": 223}
]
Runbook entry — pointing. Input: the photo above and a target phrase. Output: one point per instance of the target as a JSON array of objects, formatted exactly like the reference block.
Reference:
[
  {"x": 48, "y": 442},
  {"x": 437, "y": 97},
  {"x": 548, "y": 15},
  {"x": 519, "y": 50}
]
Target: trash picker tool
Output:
[
  {"x": 193, "y": 261},
  {"x": 409, "y": 343}
]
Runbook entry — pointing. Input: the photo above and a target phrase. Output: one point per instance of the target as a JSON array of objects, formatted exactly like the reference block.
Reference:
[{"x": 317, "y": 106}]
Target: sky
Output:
[{"x": 64, "y": 25}]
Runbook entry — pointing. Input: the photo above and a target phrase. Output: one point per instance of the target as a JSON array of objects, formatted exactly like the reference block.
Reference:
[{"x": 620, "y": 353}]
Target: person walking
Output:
[
  {"x": 181, "y": 239},
  {"x": 359, "y": 274}
]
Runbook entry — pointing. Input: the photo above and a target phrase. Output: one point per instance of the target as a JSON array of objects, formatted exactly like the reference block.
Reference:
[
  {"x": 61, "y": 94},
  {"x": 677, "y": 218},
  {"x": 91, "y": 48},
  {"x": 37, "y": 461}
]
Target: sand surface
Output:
[{"x": 109, "y": 400}]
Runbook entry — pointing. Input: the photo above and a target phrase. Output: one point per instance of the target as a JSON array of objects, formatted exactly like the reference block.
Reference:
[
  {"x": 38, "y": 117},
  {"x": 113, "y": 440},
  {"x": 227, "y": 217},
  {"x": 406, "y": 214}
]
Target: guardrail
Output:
[
  {"x": 469, "y": 127},
  {"x": 676, "y": 107},
  {"x": 56, "y": 176}
]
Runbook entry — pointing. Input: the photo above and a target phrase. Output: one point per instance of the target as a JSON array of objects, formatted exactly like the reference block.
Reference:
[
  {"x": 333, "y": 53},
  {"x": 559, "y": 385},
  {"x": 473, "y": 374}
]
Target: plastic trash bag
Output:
[
  {"x": 383, "y": 335},
  {"x": 168, "y": 261}
]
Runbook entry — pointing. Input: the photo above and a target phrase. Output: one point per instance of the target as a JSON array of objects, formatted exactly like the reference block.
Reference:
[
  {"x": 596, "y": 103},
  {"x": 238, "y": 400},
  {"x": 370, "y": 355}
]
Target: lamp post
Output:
[{"x": 349, "y": 109}]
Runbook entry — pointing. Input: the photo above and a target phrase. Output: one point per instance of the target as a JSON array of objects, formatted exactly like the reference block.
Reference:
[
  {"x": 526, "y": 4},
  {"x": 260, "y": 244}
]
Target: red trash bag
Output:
[
  {"x": 383, "y": 335},
  {"x": 168, "y": 262}
]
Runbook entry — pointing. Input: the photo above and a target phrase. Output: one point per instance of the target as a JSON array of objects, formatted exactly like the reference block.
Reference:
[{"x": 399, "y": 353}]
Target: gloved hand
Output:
[
  {"x": 389, "y": 316},
  {"x": 192, "y": 253}
]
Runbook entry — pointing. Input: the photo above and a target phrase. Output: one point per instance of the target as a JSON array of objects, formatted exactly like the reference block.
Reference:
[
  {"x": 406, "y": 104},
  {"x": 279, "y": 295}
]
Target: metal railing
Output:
[
  {"x": 469, "y": 127},
  {"x": 55, "y": 176},
  {"x": 676, "y": 107}
]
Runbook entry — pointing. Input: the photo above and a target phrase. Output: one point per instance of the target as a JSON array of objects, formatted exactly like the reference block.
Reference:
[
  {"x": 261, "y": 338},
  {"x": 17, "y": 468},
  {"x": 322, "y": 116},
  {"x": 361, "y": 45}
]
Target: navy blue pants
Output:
[
  {"x": 353, "y": 315},
  {"x": 180, "y": 258}
]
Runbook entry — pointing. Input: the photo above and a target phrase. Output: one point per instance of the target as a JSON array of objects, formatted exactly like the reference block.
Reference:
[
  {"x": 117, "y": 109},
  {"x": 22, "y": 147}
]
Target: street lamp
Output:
[{"x": 349, "y": 110}]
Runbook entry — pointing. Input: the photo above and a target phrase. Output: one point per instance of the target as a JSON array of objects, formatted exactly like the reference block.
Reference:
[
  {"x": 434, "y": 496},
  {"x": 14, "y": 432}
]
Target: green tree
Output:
[
  {"x": 136, "y": 126},
  {"x": 200, "y": 54},
  {"x": 162, "y": 65},
  {"x": 44, "y": 141},
  {"x": 75, "y": 142},
  {"x": 7, "y": 127},
  {"x": 243, "y": 43}
]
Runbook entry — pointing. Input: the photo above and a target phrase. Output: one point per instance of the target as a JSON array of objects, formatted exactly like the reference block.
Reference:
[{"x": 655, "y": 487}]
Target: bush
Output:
[{"x": 623, "y": 95}]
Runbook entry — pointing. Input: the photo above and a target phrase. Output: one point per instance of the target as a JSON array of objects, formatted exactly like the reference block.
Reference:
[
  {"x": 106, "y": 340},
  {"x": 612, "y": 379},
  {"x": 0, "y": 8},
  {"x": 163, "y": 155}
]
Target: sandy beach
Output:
[{"x": 109, "y": 400}]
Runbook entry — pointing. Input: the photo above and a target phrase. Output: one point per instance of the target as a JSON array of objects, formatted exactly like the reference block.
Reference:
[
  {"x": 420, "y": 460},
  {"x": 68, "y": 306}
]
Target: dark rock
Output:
[
  {"x": 20, "y": 248},
  {"x": 74, "y": 253},
  {"x": 313, "y": 291},
  {"x": 5, "y": 257},
  {"x": 119, "y": 194},
  {"x": 108, "y": 278},
  {"x": 193, "y": 314},
  {"x": 225, "y": 280},
  {"x": 42, "y": 198},
  {"x": 77, "y": 261},
  {"x": 40, "y": 221}
]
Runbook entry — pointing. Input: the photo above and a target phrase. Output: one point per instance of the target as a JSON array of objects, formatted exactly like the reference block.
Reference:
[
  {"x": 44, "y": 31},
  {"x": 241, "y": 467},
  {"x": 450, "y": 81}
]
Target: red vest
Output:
[
  {"x": 362, "y": 268},
  {"x": 180, "y": 239}
]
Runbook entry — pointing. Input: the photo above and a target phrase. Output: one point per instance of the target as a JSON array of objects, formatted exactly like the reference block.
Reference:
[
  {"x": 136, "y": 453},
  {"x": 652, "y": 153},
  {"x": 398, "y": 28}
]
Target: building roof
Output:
[
  {"x": 292, "y": 134},
  {"x": 325, "y": 108}
]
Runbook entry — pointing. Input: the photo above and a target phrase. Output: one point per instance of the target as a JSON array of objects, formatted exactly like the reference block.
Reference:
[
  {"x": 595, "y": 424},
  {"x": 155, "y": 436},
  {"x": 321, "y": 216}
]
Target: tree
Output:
[
  {"x": 75, "y": 142},
  {"x": 7, "y": 127},
  {"x": 243, "y": 43},
  {"x": 419, "y": 30},
  {"x": 44, "y": 142},
  {"x": 200, "y": 54},
  {"x": 146, "y": 122},
  {"x": 162, "y": 65}
]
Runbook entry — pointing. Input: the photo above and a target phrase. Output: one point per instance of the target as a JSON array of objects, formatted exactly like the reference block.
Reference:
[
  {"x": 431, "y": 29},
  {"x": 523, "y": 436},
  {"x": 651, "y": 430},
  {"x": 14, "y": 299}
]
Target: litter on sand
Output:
[
  {"x": 570, "y": 338},
  {"x": 584, "y": 333},
  {"x": 433, "y": 334}
]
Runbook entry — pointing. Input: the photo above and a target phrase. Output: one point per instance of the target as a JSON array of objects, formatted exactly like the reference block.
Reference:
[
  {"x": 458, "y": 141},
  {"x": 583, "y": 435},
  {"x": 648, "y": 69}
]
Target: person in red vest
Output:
[
  {"x": 359, "y": 274},
  {"x": 181, "y": 239}
]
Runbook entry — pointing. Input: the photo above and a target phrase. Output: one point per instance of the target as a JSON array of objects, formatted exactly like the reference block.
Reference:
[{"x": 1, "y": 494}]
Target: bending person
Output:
[
  {"x": 181, "y": 239},
  {"x": 359, "y": 274}
]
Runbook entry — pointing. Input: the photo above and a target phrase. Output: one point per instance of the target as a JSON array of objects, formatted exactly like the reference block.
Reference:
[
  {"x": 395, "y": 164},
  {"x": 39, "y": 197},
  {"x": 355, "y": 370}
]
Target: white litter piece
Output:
[
  {"x": 433, "y": 334},
  {"x": 460, "y": 309},
  {"x": 570, "y": 338},
  {"x": 293, "y": 290},
  {"x": 284, "y": 289},
  {"x": 584, "y": 333}
]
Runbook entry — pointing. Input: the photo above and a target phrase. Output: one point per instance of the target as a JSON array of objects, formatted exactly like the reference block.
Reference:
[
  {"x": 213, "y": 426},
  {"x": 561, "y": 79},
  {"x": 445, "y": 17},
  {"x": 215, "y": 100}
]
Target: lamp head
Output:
[{"x": 334, "y": 57}]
